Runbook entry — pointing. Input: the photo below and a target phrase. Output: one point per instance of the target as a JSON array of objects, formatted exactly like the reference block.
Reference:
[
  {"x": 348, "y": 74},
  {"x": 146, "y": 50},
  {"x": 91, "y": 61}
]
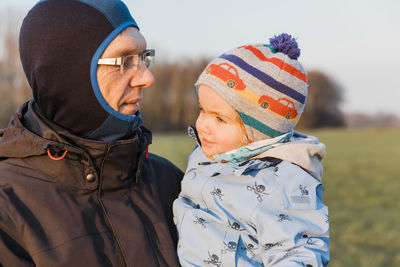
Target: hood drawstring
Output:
[
  {"x": 56, "y": 158},
  {"x": 147, "y": 152}
]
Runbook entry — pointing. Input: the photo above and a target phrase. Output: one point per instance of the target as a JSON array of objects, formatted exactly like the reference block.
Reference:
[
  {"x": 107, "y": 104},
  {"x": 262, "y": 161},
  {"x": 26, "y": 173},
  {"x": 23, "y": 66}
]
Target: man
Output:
[{"x": 77, "y": 186}]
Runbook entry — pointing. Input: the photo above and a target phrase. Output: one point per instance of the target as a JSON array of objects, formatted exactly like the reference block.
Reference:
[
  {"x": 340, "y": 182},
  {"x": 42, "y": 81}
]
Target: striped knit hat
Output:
[{"x": 264, "y": 83}]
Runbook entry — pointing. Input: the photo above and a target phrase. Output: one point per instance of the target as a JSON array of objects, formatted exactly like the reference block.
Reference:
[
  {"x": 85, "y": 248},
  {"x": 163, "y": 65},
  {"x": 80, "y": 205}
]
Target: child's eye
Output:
[{"x": 219, "y": 119}]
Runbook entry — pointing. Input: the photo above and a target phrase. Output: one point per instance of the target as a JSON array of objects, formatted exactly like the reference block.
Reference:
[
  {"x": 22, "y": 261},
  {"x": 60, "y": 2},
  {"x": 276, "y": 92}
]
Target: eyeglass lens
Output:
[
  {"x": 129, "y": 62},
  {"x": 133, "y": 61},
  {"x": 148, "y": 57}
]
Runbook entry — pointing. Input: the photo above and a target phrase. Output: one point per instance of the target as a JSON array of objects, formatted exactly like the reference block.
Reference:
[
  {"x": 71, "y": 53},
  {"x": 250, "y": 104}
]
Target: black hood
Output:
[{"x": 60, "y": 43}]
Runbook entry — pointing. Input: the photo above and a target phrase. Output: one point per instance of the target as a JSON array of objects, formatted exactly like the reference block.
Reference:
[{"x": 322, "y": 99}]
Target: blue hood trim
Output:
[
  {"x": 93, "y": 72},
  {"x": 75, "y": 32},
  {"x": 115, "y": 11}
]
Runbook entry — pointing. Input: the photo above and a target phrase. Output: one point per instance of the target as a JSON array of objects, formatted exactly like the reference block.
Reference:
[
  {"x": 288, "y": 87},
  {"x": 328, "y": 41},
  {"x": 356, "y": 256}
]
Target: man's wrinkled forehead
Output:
[{"x": 129, "y": 41}]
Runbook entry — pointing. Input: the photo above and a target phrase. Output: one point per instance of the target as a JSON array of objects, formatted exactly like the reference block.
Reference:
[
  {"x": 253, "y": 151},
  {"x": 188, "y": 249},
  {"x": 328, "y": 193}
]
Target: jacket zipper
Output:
[{"x": 105, "y": 211}]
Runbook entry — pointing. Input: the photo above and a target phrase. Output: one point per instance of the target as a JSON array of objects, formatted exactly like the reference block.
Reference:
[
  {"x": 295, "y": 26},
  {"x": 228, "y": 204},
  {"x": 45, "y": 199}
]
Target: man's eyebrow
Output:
[{"x": 125, "y": 52}]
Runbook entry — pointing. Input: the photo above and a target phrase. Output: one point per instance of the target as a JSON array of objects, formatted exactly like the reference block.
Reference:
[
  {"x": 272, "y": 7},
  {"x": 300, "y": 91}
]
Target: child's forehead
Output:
[{"x": 211, "y": 102}]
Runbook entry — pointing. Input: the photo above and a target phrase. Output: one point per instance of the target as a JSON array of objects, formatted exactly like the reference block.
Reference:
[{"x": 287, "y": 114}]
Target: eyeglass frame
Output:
[{"x": 118, "y": 61}]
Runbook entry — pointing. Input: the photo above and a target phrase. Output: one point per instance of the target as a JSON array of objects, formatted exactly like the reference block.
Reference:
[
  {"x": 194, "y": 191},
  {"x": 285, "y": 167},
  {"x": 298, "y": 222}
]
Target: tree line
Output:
[
  {"x": 14, "y": 88},
  {"x": 171, "y": 103}
]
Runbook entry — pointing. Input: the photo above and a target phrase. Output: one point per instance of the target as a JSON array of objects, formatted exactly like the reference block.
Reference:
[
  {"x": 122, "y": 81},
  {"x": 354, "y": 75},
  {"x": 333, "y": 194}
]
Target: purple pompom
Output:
[{"x": 286, "y": 44}]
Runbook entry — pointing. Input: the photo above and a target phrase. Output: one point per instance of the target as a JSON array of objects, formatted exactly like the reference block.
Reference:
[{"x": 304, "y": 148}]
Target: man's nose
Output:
[{"x": 142, "y": 78}]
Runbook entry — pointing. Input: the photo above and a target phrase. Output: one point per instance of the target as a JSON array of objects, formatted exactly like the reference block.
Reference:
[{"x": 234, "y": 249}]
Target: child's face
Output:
[{"x": 218, "y": 124}]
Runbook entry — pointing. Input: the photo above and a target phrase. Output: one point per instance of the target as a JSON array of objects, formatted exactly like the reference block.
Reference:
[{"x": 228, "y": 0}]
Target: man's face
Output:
[{"x": 123, "y": 91}]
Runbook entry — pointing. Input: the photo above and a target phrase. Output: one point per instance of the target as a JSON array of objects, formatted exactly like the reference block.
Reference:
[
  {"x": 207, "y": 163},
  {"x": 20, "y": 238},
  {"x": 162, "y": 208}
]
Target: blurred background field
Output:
[{"x": 362, "y": 189}]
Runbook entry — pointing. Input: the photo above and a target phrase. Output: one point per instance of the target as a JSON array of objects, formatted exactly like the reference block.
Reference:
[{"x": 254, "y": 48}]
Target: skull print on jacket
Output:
[{"x": 263, "y": 212}]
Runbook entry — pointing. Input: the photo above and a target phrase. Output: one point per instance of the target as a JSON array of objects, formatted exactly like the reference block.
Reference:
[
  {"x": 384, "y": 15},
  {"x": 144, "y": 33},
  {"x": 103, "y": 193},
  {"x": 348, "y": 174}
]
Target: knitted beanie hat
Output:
[{"x": 264, "y": 83}]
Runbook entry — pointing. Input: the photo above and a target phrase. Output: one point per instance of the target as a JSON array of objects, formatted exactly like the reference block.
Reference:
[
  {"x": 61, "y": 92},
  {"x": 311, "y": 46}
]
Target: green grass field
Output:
[{"x": 362, "y": 189}]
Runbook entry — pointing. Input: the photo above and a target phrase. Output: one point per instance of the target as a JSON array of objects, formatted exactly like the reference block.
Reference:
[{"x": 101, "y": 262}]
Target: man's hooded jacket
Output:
[{"x": 77, "y": 186}]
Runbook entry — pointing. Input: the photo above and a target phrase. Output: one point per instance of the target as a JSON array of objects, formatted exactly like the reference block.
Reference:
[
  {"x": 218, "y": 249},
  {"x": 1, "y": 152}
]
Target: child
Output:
[{"x": 252, "y": 193}]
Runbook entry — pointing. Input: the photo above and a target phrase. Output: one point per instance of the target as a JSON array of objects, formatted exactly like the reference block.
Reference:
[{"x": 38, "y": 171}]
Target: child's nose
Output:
[{"x": 201, "y": 124}]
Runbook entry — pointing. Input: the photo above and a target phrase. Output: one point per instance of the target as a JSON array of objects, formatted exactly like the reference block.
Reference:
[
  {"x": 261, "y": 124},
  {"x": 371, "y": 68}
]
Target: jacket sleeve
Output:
[
  {"x": 168, "y": 178},
  {"x": 293, "y": 227},
  {"x": 11, "y": 252}
]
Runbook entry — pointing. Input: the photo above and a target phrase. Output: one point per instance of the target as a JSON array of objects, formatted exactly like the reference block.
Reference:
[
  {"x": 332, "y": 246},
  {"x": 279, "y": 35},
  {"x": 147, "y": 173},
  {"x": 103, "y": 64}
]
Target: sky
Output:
[{"x": 355, "y": 42}]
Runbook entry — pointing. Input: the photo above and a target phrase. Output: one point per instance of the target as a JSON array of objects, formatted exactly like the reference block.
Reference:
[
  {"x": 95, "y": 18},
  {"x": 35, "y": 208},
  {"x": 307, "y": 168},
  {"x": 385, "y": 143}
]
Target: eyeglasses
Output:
[{"x": 130, "y": 62}]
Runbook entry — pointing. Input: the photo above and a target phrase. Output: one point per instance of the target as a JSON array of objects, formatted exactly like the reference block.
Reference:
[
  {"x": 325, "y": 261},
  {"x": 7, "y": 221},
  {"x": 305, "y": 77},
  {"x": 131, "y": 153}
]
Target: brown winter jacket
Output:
[{"x": 103, "y": 204}]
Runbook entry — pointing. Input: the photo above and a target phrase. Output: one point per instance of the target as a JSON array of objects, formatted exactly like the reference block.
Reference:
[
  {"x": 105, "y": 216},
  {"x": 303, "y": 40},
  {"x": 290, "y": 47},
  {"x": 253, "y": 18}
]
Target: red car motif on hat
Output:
[
  {"x": 282, "y": 106},
  {"x": 227, "y": 74}
]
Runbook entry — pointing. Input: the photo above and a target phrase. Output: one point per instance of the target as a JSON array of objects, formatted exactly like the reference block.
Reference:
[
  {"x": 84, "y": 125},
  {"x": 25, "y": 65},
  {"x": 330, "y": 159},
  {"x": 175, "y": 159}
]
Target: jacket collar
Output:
[
  {"x": 303, "y": 150},
  {"x": 121, "y": 156}
]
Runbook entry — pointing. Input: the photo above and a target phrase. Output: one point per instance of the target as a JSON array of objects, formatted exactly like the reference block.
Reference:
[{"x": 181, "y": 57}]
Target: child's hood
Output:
[{"x": 303, "y": 150}]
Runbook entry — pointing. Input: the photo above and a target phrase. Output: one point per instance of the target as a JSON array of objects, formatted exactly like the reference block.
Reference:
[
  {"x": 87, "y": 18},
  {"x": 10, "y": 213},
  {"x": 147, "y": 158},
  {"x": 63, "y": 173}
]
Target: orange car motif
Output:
[
  {"x": 281, "y": 106},
  {"x": 227, "y": 74}
]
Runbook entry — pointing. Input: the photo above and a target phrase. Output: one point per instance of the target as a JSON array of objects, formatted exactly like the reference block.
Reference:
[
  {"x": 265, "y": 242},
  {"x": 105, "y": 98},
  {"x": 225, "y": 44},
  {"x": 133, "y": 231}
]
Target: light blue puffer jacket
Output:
[{"x": 264, "y": 212}]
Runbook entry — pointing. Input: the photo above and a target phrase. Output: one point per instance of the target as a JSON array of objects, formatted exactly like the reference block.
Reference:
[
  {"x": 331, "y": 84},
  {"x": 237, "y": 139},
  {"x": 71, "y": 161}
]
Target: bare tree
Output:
[
  {"x": 171, "y": 103},
  {"x": 14, "y": 89},
  {"x": 323, "y": 102}
]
